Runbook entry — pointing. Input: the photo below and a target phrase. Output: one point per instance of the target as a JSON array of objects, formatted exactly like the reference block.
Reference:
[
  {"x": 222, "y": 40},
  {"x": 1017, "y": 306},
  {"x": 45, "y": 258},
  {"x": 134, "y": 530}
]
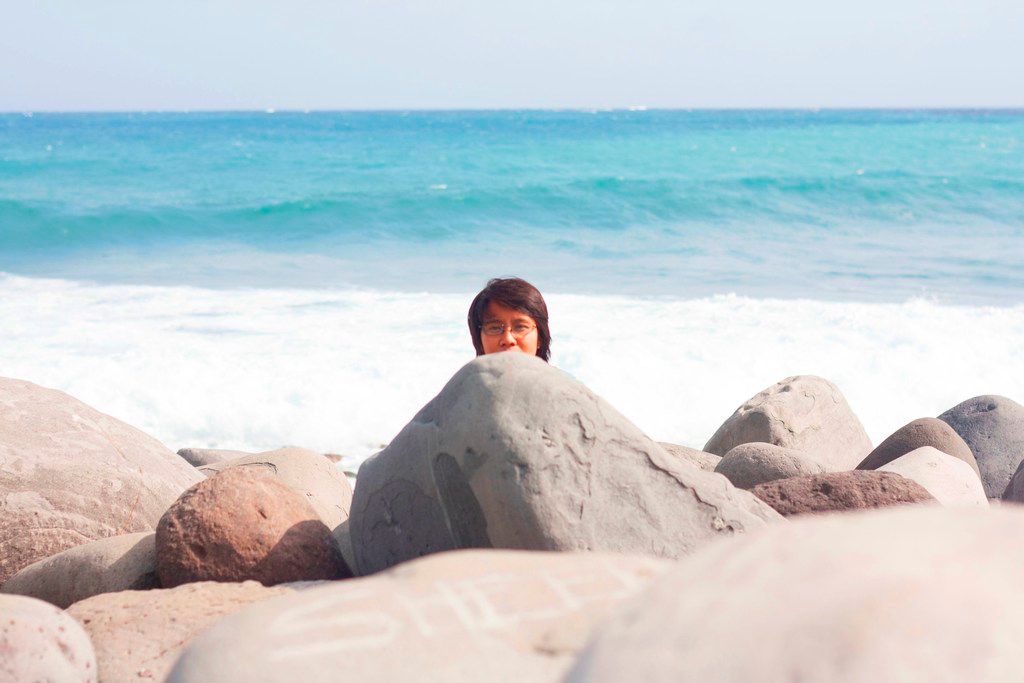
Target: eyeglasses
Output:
[{"x": 496, "y": 329}]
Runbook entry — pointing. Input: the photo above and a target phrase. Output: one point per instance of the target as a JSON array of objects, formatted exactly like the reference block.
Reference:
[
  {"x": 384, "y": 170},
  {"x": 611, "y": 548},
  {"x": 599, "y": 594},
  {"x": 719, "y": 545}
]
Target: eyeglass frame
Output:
[{"x": 505, "y": 326}]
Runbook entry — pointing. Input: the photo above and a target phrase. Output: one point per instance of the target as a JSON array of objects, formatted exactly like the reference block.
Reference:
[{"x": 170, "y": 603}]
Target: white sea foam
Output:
[{"x": 343, "y": 371}]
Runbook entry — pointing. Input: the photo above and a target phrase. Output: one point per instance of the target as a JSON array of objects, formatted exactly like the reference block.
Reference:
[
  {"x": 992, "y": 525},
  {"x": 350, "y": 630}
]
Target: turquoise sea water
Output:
[{"x": 848, "y": 205}]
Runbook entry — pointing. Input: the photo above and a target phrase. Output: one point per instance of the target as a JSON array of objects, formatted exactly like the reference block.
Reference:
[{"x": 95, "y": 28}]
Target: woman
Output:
[{"x": 509, "y": 314}]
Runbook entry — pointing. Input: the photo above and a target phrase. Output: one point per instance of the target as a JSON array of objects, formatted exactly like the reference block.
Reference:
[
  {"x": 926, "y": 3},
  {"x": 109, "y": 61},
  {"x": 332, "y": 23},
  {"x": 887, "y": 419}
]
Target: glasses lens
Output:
[
  {"x": 521, "y": 330},
  {"x": 493, "y": 329}
]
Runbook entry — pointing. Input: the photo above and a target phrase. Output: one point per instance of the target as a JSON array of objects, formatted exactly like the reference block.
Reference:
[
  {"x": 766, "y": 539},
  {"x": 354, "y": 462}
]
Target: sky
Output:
[{"x": 114, "y": 55}]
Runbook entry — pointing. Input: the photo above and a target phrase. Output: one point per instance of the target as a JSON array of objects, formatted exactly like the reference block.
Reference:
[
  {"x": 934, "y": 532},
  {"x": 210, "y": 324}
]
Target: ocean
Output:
[{"x": 250, "y": 280}]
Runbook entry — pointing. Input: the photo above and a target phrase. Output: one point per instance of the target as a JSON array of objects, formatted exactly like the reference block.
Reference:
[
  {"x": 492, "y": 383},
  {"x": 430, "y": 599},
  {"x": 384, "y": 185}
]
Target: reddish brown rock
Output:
[
  {"x": 243, "y": 524},
  {"x": 927, "y": 431},
  {"x": 837, "y": 491}
]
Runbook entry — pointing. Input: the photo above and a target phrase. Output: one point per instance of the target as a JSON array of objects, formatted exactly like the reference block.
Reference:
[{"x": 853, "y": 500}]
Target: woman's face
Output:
[{"x": 514, "y": 322}]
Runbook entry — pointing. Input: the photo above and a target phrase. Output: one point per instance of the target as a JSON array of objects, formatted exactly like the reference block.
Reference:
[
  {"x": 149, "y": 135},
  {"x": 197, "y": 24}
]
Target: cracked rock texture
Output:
[
  {"x": 201, "y": 457},
  {"x": 139, "y": 634},
  {"x": 39, "y": 642},
  {"x": 514, "y": 453},
  {"x": 910, "y": 595},
  {"x": 951, "y": 481},
  {"x": 838, "y": 491},
  {"x": 700, "y": 459},
  {"x": 993, "y": 427},
  {"x": 926, "y": 431},
  {"x": 70, "y": 474},
  {"x": 117, "y": 563},
  {"x": 804, "y": 413},
  {"x": 750, "y": 464},
  {"x": 243, "y": 524},
  {"x": 471, "y": 615}
]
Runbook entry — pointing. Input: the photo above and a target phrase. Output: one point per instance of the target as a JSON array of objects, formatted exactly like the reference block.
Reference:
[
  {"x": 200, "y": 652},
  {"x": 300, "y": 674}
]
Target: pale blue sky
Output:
[{"x": 359, "y": 54}]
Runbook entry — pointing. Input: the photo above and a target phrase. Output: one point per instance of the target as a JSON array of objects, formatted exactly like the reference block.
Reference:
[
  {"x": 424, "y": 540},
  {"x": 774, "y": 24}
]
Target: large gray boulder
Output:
[
  {"x": 473, "y": 615},
  {"x": 750, "y": 464},
  {"x": 804, "y": 413},
  {"x": 993, "y": 427},
  {"x": 950, "y": 480},
  {"x": 138, "y": 634},
  {"x": 926, "y": 431},
  {"x": 112, "y": 564},
  {"x": 39, "y": 642},
  {"x": 924, "y": 594},
  {"x": 514, "y": 453},
  {"x": 70, "y": 474}
]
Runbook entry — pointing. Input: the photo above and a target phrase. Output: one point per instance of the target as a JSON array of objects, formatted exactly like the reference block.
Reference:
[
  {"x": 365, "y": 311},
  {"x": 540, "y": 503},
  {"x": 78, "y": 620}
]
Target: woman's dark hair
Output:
[{"x": 518, "y": 295}]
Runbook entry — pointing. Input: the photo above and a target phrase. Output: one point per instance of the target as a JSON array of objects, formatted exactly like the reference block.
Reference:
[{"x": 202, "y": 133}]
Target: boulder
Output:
[
  {"x": 70, "y": 474},
  {"x": 200, "y": 457},
  {"x": 471, "y": 615},
  {"x": 837, "y": 491},
  {"x": 1014, "y": 492},
  {"x": 927, "y": 431},
  {"x": 514, "y": 453},
  {"x": 950, "y": 480},
  {"x": 916, "y": 595},
  {"x": 700, "y": 459},
  {"x": 39, "y": 642},
  {"x": 139, "y": 634},
  {"x": 112, "y": 564},
  {"x": 804, "y": 413},
  {"x": 750, "y": 464},
  {"x": 993, "y": 427},
  {"x": 244, "y": 524}
]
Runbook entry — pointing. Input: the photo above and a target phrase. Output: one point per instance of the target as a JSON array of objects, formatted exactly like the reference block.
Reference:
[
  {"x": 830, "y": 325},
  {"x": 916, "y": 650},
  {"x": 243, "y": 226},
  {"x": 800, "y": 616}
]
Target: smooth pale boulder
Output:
[
  {"x": 951, "y": 481},
  {"x": 926, "y": 431},
  {"x": 70, "y": 474},
  {"x": 108, "y": 565},
  {"x": 39, "y": 642},
  {"x": 750, "y": 464},
  {"x": 243, "y": 524},
  {"x": 909, "y": 595},
  {"x": 705, "y": 461},
  {"x": 201, "y": 457},
  {"x": 993, "y": 427},
  {"x": 514, "y": 453},
  {"x": 840, "y": 491},
  {"x": 471, "y": 615},
  {"x": 804, "y": 413},
  {"x": 138, "y": 634}
]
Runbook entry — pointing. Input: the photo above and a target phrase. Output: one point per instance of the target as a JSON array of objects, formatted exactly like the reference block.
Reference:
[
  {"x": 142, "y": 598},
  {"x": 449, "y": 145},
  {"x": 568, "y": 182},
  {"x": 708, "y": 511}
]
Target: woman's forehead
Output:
[{"x": 496, "y": 311}]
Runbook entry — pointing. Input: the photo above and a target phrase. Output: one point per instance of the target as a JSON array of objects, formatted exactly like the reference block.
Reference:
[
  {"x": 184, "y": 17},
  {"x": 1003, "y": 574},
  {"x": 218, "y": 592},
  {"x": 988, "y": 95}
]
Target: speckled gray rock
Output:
[
  {"x": 993, "y": 427},
  {"x": 39, "y": 642},
  {"x": 108, "y": 565},
  {"x": 926, "y": 431},
  {"x": 139, "y": 634},
  {"x": 705, "y": 461},
  {"x": 70, "y": 474},
  {"x": 805, "y": 413},
  {"x": 201, "y": 457},
  {"x": 750, "y": 464},
  {"x": 464, "y": 616},
  {"x": 950, "y": 480},
  {"x": 514, "y": 453},
  {"x": 914, "y": 595}
]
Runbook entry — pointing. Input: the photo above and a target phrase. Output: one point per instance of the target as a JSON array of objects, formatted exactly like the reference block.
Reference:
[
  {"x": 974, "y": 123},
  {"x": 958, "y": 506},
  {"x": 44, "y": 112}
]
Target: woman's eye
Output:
[
  {"x": 520, "y": 329},
  {"x": 494, "y": 329}
]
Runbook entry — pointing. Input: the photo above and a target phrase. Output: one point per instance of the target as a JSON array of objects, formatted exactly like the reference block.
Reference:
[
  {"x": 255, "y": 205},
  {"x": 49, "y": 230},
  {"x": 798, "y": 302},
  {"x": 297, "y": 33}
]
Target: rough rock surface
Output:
[
  {"x": 836, "y": 491},
  {"x": 1014, "y": 492},
  {"x": 805, "y": 413},
  {"x": 70, "y": 474},
  {"x": 514, "y": 453},
  {"x": 201, "y": 457},
  {"x": 915, "y": 595},
  {"x": 950, "y": 480},
  {"x": 39, "y": 642},
  {"x": 993, "y": 427},
  {"x": 926, "y": 431},
  {"x": 243, "y": 524},
  {"x": 474, "y": 615},
  {"x": 117, "y": 563},
  {"x": 139, "y": 634},
  {"x": 705, "y": 461},
  {"x": 750, "y": 464}
]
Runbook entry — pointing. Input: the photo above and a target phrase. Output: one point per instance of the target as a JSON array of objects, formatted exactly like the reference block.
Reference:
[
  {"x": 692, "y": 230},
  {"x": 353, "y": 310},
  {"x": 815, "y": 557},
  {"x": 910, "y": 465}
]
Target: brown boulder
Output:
[
  {"x": 243, "y": 524},
  {"x": 926, "y": 431},
  {"x": 137, "y": 635},
  {"x": 70, "y": 474},
  {"x": 118, "y": 563},
  {"x": 836, "y": 491}
]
